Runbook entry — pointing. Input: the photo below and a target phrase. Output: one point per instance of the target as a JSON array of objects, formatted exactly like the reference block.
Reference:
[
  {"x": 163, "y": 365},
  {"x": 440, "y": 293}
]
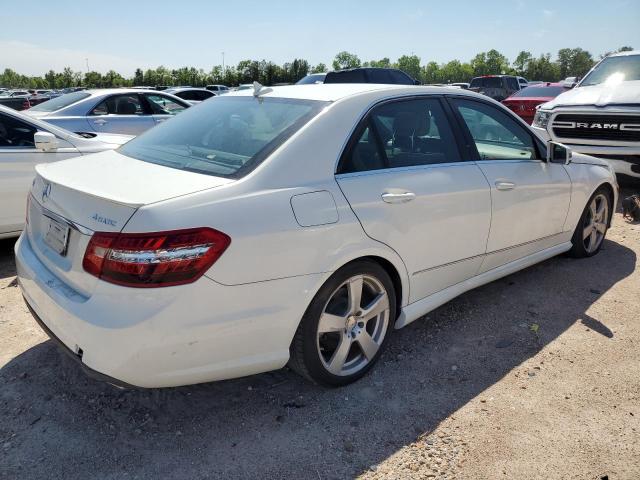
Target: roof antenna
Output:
[{"x": 259, "y": 89}]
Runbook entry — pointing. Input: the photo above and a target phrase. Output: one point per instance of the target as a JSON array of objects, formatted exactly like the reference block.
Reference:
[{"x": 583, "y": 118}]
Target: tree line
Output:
[{"x": 568, "y": 62}]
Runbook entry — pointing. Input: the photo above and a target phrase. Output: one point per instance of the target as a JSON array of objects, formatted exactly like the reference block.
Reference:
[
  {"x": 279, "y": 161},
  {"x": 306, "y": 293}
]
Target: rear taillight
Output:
[{"x": 158, "y": 259}]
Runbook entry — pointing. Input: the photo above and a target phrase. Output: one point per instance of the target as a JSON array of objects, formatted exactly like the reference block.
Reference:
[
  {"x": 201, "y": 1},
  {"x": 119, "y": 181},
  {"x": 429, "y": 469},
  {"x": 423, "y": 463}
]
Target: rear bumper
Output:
[{"x": 171, "y": 336}]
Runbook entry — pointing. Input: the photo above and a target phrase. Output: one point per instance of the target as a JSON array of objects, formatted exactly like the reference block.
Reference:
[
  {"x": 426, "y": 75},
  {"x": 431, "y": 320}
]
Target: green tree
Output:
[
  {"x": 138, "y": 77},
  {"x": 319, "y": 68},
  {"x": 93, "y": 80},
  {"x": 521, "y": 63},
  {"x": 346, "y": 60},
  {"x": 410, "y": 64},
  {"x": 382, "y": 63},
  {"x": 574, "y": 62}
]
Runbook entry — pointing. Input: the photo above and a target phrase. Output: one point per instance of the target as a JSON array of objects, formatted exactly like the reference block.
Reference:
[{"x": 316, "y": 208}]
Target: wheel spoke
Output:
[
  {"x": 331, "y": 323},
  {"x": 368, "y": 346},
  {"x": 592, "y": 207},
  {"x": 340, "y": 355},
  {"x": 593, "y": 239},
  {"x": 601, "y": 227},
  {"x": 355, "y": 294},
  {"x": 587, "y": 231},
  {"x": 376, "y": 307},
  {"x": 600, "y": 210}
]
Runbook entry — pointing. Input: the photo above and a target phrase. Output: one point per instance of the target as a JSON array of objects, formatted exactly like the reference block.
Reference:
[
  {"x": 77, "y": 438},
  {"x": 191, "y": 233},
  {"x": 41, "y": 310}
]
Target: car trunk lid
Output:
[{"x": 72, "y": 199}]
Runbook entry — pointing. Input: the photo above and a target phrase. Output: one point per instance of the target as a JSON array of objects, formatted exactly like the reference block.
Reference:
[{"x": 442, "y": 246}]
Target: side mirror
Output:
[
  {"x": 45, "y": 141},
  {"x": 558, "y": 153}
]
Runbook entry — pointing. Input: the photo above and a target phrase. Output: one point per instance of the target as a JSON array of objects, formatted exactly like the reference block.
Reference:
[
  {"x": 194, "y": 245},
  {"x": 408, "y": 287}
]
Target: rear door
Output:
[
  {"x": 122, "y": 113},
  {"x": 530, "y": 197},
  {"x": 404, "y": 178},
  {"x": 162, "y": 106}
]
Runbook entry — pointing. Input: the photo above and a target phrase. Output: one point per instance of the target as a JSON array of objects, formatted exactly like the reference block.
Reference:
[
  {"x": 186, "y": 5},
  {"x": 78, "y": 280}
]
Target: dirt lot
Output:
[{"x": 532, "y": 376}]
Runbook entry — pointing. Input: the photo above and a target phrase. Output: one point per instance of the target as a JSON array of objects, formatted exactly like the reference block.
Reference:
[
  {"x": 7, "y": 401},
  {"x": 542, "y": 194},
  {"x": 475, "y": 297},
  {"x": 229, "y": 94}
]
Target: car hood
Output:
[{"x": 598, "y": 95}]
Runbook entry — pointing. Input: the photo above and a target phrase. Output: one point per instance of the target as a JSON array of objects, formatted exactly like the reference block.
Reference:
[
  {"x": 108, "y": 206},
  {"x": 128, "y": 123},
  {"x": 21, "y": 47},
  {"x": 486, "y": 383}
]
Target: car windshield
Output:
[
  {"x": 60, "y": 102},
  {"x": 540, "y": 92},
  {"x": 226, "y": 136},
  {"x": 614, "y": 69},
  {"x": 311, "y": 79}
]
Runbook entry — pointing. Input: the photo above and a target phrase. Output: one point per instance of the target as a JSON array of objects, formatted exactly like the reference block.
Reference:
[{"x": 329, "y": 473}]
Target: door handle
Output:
[
  {"x": 502, "y": 185},
  {"x": 100, "y": 122},
  {"x": 402, "y": 197}
]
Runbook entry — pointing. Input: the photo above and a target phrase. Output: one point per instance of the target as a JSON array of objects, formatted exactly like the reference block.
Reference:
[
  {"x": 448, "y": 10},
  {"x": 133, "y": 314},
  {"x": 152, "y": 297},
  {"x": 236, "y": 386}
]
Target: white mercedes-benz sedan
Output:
[
  {"x": 26, "y": 142},
  {"x": 295, "y": 225}
]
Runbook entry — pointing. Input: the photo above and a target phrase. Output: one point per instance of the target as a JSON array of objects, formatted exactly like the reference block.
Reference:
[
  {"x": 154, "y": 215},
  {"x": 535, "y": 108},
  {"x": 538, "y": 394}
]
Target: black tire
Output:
[
  {"x": 581, "y": 246},
  {"x": 307, "y": 357}
]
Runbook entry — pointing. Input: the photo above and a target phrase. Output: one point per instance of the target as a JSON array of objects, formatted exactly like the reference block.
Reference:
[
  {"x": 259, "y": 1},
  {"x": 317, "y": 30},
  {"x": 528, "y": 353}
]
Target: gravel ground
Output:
[{"x": 532, "y": 376}]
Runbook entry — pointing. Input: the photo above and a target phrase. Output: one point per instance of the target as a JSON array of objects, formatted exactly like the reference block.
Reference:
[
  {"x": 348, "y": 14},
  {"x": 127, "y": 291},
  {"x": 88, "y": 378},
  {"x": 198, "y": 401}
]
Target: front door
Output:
[
  {"x": 18, "y": 157},
  {"x": 405, "y": 180},
  {"x": 530, "y": 197}
]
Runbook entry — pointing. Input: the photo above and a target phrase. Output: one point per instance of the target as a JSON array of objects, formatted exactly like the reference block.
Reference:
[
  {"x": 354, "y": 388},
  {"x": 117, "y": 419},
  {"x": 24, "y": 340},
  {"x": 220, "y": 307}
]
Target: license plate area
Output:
[{"x": 56, "y": 235}]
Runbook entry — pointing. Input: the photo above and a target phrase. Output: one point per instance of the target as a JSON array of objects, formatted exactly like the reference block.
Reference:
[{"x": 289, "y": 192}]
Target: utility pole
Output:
[
  {"x": 87, "y": 61},
  {"x": 223, "y": 63}
]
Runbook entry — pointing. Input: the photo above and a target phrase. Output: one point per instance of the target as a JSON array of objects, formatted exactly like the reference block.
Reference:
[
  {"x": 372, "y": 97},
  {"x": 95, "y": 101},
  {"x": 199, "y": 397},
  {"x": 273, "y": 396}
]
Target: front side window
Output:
[
  {"x": 226, "y": 136},
  {"x": 128, "y": 104},
  {"x": 512, "y": 83},
  {"x": 161, "y": 105},
  {"x": 496, "y": 135},
  {"x": 14, "y": 133},
  {"x": 402, "y": 134}
]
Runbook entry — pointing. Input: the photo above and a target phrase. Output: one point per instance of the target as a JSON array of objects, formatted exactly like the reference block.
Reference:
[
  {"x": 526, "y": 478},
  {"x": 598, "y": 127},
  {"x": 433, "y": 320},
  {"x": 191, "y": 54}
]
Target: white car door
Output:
[
  {"x": 530, "y": 197},
  {"x": 122, "y": 113},
  {"x": 18, "y": 157},
  {"x": 404, "y": 178},
  {"x": 162, "y": 106}
]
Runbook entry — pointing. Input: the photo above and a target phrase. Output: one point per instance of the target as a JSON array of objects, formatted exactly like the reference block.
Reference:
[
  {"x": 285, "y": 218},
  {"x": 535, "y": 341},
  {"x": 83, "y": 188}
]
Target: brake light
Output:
[{"x": 157, "y": 259}]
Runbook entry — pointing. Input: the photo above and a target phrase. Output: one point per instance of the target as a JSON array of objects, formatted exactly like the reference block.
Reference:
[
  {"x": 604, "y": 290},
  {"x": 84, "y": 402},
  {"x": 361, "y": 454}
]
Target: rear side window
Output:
[
  {"x": 402, "y": 134},
  {"x": 60, "y": 102},
  {"x": 540, "y": 92},
  {"x": 162, "y": 105},
  {"x": 226, "y": 136},
  {"x": 512, "y": 83},
  {"x": 379, "y": 76}
]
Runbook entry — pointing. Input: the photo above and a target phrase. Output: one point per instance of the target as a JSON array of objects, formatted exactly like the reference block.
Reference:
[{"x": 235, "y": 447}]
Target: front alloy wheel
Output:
[
  {"x": 589, "y": 235},
  {"x": 342, "y": 332}
]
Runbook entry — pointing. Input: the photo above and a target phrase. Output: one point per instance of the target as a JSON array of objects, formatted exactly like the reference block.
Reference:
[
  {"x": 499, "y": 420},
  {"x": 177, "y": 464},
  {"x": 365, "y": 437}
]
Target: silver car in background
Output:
[
  {"x": 190, "y": 94},
  {"x": 122, "y": 111}
]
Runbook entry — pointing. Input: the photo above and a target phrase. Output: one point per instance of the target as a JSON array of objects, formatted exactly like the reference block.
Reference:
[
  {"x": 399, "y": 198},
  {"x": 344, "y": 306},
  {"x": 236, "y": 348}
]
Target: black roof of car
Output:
[{"x": 370, "y": 75}]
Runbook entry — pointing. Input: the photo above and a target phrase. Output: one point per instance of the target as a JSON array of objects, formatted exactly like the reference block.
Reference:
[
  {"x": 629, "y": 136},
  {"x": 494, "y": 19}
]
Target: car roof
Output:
[
  {"x": 108, "y": 91},
  {"x": 335, "y": 91},
  {"x": 183, "y": 89}
]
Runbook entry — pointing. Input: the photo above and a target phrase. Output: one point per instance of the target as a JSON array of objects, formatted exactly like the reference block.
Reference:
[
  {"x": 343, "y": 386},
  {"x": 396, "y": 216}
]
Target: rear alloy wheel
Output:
[
  {"x": 592, "y": 227},
  {"x": 342, "y": 333}
]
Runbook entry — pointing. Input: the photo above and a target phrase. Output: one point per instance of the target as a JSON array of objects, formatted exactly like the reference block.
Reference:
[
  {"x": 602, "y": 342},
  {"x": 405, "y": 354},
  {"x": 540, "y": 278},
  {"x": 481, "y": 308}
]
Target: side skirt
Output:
[{"x": 417, "y": 309}]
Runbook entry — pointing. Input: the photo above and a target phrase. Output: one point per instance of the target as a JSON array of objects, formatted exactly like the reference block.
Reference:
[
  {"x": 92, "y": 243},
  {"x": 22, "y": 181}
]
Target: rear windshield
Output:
[
  {"x": 617, "y": 69},
  {"x": 486, "y": 82},
  {"x": 60, "y": 102},
  {"x": 540, "y": 92},
  {"x": 226, "y": 136}
]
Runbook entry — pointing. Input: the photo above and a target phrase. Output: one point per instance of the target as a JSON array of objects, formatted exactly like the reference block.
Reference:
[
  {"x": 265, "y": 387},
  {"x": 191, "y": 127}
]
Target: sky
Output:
[{"x": 125, "y": 35}]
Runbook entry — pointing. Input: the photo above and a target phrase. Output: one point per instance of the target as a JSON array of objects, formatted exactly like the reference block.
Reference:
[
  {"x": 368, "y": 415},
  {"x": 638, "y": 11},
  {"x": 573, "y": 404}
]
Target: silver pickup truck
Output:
[{"x": 601, "y": 116}]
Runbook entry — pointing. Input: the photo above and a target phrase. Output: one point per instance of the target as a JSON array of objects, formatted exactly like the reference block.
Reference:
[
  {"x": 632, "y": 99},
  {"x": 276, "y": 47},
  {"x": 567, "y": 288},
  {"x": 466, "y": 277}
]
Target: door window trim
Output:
[
  {"x": 541, "y": 150},
  {"x": 365, "y": 121}
]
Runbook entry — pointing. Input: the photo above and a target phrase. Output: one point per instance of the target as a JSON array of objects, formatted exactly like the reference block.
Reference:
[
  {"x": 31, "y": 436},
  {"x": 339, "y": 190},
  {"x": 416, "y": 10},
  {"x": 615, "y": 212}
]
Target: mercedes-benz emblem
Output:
[{"x": 46, "y": 192}]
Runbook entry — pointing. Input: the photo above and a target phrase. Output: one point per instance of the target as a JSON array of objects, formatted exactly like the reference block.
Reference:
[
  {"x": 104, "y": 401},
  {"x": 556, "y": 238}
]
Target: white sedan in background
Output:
[
  {"x": 295, "y": 225},
  {"x": 25, "y": 142}
]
